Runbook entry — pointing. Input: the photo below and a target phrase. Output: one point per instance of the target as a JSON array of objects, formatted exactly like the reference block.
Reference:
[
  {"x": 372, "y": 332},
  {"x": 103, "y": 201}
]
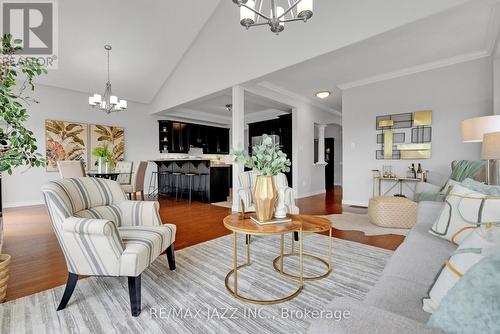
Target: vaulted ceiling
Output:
[
  {"x": 168, "y": 53},
  {"x": 149, "y": 38}
]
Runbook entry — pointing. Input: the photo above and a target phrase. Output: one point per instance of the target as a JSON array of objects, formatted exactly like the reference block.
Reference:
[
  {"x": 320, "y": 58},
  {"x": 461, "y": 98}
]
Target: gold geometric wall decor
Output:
[
  {"x": 65, "y": 141},
  {"x": 422, "y": 118},
  {"x": 388, "y": 144},
  {"x": 112, "y": 136},
  {"x": 417, "y": 126}
]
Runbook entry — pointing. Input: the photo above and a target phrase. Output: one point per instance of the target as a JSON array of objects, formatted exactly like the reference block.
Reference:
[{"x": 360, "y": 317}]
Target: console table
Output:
[{"x": 396, "y": 181}]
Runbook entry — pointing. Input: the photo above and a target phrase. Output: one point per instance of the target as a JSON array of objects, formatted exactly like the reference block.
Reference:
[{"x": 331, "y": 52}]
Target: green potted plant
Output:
[
  {"x": 17, "y": 143},
  {"x": 267, "y": 161},
  {"x": 104, "y": 158}
]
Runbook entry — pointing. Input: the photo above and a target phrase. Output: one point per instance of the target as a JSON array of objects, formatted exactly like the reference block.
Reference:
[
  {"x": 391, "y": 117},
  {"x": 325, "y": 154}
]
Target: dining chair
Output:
[
  {"x": 70, "y": 168},
  {"x": 137, "y": 181},
  {"x": 125, "y": 168}
]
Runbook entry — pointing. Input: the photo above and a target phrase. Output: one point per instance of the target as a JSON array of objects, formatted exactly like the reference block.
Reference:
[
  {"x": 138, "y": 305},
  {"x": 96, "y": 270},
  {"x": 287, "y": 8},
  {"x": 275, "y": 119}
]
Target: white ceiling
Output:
[
  {"x": 149, "y": 37},
  {"x": 213, "y": 109},
  {"x": 459, "y": 34}
]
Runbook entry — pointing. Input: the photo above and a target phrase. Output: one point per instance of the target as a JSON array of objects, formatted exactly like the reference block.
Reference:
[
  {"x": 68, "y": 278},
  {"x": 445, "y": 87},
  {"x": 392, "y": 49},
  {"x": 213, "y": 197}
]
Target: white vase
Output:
[
  {"x": 100, "y": 164},
  {"x": 280, "y": 211}
]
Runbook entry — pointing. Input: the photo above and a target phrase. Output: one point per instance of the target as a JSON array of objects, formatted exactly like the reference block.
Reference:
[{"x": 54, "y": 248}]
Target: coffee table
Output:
[
  {"x": 310, "y": 224},
  {"x": 238, "y": 224}
]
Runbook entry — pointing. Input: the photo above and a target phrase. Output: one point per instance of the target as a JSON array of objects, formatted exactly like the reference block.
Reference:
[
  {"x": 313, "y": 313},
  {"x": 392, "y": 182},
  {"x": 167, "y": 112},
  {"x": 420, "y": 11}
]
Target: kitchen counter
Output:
[{"x": 211, "y": 180}]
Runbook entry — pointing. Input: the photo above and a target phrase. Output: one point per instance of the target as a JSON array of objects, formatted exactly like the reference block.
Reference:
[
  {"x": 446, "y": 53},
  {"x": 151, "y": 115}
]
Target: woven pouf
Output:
[{"x": 392, "y": 212}]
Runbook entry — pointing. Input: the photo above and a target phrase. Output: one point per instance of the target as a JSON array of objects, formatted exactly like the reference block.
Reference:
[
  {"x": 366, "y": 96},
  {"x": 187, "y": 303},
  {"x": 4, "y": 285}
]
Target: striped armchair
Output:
[
  {"x": 247, "y": 186},
  {"x": 101, "y": 233}
]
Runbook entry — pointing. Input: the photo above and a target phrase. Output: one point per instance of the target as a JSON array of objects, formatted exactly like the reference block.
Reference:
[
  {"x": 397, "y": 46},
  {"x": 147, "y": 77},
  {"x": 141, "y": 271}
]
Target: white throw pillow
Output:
[
  {"x": 464, "y": 211},
  {"x": 479, "y": 244}
]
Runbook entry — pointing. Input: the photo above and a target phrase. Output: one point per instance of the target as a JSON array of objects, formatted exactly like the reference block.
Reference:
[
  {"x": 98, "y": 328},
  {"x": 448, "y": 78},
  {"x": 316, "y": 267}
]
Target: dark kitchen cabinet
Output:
[
  {"x": 282, "y": 127},
  {"x": 178, "y": 137}
]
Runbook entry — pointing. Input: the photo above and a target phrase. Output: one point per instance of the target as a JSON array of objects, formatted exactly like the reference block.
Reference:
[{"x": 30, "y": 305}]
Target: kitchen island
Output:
[{"x": 210, "y": 181}]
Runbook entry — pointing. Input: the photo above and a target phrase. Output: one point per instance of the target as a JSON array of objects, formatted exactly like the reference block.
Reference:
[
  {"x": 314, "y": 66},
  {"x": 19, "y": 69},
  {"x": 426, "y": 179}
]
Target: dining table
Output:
[{"x": 110, "y": 175}]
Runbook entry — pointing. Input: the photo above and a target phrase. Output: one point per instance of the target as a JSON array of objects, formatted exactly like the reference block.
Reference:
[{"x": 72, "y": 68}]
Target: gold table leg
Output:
[
  {"x": 234, "y": 291},
  {"x": 301, "y": 277}
]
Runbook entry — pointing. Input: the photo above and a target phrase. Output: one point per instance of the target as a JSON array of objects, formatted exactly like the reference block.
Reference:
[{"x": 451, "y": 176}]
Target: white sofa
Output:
[{"x": 394, "y": 304}]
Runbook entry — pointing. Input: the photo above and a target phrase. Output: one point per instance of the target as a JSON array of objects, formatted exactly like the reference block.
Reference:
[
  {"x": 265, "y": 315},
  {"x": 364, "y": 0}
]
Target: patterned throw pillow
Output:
[
  {"x": 480, "y": 243},
  {"x": 464, "y": 211},
  {"x": 472, "y": 305},
  {"x": 481, "y": 187}
]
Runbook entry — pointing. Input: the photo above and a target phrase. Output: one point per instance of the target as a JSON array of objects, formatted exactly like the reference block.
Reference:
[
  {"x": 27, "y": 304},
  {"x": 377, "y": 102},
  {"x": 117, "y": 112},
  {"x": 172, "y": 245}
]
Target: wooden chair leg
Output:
[
  {"x": 171, "y": 257},
  {"x": 134, "y": 290},
  {"x": 142, "y": 195},
  {"x": 133, "y": 196},
  {"x": 68, "y": 291}
]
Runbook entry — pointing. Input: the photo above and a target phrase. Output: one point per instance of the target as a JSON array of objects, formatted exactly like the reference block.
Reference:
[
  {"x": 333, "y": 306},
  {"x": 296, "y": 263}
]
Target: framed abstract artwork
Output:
[
  {"x": 396, "y": 128},
  {"x": 112, "y": 136},
  {"x": 65, "y": 141}
]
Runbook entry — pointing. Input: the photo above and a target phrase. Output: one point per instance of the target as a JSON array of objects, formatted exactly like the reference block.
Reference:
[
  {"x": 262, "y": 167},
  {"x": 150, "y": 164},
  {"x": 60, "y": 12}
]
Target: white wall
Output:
[
  {"x": 309, "y": 178},
  {"x": 141, "y": 138},
  {"x": 453, "y": 93}
]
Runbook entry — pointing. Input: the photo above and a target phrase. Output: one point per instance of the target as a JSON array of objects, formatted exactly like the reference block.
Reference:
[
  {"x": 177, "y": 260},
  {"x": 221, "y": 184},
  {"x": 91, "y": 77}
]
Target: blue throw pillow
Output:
[
  {"x": 482, "y": 188},
  {"x": 473, "y": 304}
]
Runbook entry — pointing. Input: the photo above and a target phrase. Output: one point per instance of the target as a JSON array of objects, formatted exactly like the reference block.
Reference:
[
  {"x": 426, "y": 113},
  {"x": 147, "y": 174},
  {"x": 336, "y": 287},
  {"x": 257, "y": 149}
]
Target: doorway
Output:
[{"x": 330, "y": 167}]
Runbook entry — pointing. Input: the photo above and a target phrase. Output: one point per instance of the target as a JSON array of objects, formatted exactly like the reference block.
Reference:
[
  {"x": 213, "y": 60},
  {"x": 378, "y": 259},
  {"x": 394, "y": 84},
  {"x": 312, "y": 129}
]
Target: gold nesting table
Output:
[{"x": 300, "y": 224}]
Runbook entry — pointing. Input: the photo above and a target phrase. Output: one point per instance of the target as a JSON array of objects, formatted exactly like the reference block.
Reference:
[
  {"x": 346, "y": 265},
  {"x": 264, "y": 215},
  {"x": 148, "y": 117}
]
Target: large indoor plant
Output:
[
  {"x": 17, "y": 143},
  {"x": 267, "y": 160}
]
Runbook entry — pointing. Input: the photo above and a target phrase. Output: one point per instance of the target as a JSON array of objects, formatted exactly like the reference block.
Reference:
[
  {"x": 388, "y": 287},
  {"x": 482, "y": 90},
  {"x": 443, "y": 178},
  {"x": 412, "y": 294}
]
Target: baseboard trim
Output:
[
  {"x": 311, "y": 193},
  {"x": 21, "y": 204},
  {"x": 355, "y": 203}
]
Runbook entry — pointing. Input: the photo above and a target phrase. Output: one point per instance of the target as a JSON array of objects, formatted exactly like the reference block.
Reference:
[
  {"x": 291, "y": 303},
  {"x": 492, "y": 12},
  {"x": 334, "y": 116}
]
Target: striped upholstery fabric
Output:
[
  {"x": 247, "y": 186},
  {"x": 143, "y": 244},
  {"x": 98, "y": 229}
]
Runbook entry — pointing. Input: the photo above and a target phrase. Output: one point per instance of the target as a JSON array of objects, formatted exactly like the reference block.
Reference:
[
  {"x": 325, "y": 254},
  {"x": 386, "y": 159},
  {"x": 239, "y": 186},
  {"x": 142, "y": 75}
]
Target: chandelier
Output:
[
  {"x": 107, "y": 102},
  {"x": 251, "y": 13}
]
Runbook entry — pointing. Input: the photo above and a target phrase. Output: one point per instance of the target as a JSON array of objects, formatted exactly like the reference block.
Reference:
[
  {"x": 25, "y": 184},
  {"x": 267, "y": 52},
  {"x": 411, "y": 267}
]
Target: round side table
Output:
[
  {"x": 310, "y": 224},
  {"x": 238, "y": 224}
]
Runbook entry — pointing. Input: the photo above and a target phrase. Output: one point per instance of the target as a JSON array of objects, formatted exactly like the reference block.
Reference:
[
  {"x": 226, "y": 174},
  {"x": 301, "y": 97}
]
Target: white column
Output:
[
  {"x": 321, "y": 144},
  {"x": 496, "y": 86},
  {"x": 238, "y": 138}
]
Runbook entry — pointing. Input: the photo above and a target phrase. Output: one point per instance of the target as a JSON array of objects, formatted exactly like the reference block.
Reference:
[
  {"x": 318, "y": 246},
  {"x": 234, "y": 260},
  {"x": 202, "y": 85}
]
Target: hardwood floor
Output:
[{"x": 38, "y": 264}]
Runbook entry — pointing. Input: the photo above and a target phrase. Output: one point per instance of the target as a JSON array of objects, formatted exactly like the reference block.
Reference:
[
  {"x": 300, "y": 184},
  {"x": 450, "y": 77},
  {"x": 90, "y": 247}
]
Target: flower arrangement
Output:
[
  {"x": 105, "y": 153},
  {"x": 267, "y": 158}
]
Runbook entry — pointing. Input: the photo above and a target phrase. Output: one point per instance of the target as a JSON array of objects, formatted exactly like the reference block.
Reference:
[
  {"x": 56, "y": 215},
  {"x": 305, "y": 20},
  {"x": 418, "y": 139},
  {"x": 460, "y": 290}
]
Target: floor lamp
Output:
[
  {"x": 474, "y": 130},
  {"x": 490, "y": 149}
]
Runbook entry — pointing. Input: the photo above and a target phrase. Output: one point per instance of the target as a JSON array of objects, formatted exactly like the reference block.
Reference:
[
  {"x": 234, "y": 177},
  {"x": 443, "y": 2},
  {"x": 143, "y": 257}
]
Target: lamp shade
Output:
[
  {"x": 491, "y": 146},
  {"x": 473, "y": 129}
]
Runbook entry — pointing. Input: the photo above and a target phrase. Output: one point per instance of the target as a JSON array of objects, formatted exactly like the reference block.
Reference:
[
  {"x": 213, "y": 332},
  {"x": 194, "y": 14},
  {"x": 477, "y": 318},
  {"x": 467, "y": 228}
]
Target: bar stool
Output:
[
  {"x": 153, "y": 184},
  {"x": 177, "y": 178},
  {"x": 190, "y": 178},
  {"x": 164, "y": 182}
]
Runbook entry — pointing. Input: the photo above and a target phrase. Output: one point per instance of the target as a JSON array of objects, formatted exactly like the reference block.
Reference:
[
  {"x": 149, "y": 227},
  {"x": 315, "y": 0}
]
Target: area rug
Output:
[
  {"x": 193, "y": 298},
  {"x": 348, "y": 221}
]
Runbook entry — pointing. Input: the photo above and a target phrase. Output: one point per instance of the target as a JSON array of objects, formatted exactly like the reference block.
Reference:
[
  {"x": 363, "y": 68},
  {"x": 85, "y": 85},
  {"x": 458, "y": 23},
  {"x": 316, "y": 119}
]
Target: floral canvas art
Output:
[
  {"x": 112, "y": 136},
  {"x": 65, "y": 141}
]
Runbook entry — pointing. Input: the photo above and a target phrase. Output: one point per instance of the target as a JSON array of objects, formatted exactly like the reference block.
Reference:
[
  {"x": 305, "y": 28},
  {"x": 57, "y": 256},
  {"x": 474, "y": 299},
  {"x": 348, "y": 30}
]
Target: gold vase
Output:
[{"x": 264, "y": 198}]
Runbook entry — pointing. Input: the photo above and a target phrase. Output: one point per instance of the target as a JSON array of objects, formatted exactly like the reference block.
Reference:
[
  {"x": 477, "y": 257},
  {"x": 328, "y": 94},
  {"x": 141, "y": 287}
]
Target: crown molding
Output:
[
  {"x": 416, "y": 69},
  {"x": 280, "y": 90}
]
